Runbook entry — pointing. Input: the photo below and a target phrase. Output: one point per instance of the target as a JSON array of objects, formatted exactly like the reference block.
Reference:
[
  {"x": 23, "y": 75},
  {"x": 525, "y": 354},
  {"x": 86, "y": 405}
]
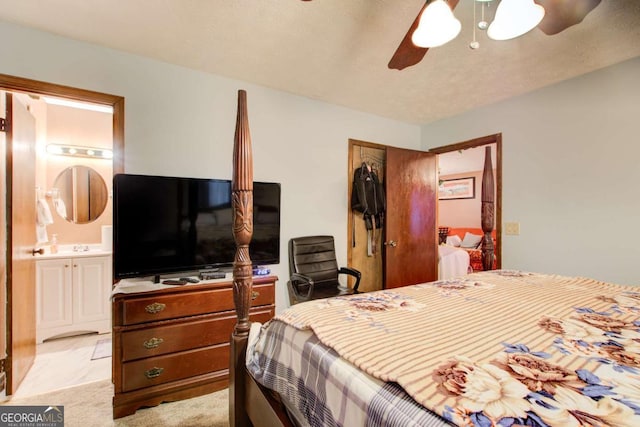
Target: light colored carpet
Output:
[
  {"x": 102, "y": 349},
  {"x": 89, "y": 405}
]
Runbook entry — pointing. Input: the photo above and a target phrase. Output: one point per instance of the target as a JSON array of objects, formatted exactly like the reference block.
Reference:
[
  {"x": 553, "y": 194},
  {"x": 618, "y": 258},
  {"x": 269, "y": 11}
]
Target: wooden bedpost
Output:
[
  {"x": 242, "y": 196},
  {"x": 488, "y": 211}
]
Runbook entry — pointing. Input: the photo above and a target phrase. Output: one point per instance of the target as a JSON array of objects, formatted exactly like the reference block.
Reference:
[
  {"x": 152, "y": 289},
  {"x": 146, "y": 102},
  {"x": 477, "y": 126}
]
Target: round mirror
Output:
[{"x": 80, "y": 194}]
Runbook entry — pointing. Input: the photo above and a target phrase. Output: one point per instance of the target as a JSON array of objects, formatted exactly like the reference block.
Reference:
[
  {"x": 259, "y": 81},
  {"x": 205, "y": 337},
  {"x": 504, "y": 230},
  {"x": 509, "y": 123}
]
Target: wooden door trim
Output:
[
  {"x": 19, "y": 84},
  {"x": 478, "y": 142}
]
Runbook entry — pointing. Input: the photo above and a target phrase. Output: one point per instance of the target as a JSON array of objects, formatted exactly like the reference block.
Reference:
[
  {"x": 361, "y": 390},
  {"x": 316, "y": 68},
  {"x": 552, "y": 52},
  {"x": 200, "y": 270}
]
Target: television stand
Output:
[{"x": 173, "y": 343}]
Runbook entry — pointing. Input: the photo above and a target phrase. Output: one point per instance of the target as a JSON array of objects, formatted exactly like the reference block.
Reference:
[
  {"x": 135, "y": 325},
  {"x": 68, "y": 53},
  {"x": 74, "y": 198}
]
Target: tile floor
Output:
[{"x": 63, "y": 363}]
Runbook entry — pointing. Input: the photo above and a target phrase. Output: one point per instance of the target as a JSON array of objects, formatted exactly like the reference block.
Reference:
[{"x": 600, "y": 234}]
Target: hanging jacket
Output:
[{"x": 367, "y": 196}]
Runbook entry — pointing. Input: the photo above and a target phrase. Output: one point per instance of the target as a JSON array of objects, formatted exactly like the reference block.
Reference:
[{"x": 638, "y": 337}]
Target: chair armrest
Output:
[
  {"x": 352, "y": 272},
  {"x": 297, "y": 279}
]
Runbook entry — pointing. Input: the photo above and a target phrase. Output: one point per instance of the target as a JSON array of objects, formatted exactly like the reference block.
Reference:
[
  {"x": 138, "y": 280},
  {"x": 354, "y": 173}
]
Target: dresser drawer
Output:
[
  {"x": 163, "y": 369},
  {"x": 263, "y": 295},
  {"x": 170, "y": 306},
  {"x": 185, "y": 304},
  {"x": 159, "y": 340},
  {"x": 262, "y": 315},
  {"x": 154, "y": 341}
]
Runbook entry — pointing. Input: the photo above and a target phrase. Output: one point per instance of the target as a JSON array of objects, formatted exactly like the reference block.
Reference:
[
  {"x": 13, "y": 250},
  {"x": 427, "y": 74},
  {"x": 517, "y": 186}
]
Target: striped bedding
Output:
[{"x": 492, "y": 348}]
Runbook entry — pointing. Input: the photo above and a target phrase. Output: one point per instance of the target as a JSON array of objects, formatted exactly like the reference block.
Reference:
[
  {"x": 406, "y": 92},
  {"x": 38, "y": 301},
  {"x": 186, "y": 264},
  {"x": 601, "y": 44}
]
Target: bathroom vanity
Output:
[{"x": 73, "y": 290}]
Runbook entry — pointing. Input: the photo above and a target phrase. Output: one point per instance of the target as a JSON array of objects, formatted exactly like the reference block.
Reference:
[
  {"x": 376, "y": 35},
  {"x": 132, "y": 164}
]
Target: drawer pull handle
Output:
[
  {"x": 153, "y": 343},
  {"x": 254, "y": 295},
  {"x": 153, "y": 373},
  {"x": 154, "y": 308}
]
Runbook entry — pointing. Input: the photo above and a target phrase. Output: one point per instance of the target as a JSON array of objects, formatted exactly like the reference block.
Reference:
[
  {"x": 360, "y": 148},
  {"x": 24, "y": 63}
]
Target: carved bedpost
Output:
[
  {"x": 242, "y": 196},
  {"x": 488, "y": 211}
]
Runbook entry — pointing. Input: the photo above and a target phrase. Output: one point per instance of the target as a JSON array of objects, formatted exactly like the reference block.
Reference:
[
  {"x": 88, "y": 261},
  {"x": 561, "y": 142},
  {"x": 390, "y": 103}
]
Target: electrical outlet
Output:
[{"x": 512, "y": 228}]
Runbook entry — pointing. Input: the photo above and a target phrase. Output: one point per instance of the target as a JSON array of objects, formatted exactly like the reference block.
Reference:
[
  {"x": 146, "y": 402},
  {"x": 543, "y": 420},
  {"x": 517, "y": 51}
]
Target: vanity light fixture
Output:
[{"x": 72, "y": 150}]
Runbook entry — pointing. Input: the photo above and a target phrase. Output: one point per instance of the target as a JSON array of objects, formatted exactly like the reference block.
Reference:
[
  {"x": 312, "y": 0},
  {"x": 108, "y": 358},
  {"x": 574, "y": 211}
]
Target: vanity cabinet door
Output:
[
  {"x": 91, "y": 290},
  {"x": 73, "y": 296},
  {"x": 54, "y": 295}
]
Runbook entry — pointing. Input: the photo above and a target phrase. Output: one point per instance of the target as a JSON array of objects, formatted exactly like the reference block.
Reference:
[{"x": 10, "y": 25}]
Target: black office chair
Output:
[{"x": 314, "y": 271}]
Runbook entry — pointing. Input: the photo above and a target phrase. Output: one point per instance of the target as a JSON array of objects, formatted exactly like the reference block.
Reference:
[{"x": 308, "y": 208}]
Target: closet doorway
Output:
[
  {"x": 404, "y": 250},
  {"x": 364, "y": 247},
  {"x": 17, "y": 339}
]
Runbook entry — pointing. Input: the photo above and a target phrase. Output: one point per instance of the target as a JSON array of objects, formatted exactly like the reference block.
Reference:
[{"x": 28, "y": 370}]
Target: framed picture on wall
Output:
[{"x": 457, "y": 188}]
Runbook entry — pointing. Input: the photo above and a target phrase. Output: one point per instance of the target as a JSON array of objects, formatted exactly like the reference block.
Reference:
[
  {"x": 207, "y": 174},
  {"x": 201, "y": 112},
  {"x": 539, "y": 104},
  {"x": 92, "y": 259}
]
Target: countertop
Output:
[{"x": 66, "y": 251}]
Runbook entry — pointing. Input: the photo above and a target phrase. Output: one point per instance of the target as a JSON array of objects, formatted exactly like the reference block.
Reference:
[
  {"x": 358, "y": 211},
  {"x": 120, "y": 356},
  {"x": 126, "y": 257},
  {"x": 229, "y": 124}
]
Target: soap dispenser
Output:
[{"x": 54, "y": 244}]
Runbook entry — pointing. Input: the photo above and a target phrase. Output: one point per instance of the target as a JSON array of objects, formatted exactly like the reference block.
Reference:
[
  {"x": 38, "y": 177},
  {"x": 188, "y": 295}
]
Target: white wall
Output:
[
  {"x": 181, "y": 122},
  {"x": 571, "y": 170}
]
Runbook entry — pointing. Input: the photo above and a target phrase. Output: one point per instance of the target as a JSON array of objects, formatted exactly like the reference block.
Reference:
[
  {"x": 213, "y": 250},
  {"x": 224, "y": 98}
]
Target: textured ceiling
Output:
[
  {"x": 337, "y": 50},
  {"x": 468, "y": 160}
]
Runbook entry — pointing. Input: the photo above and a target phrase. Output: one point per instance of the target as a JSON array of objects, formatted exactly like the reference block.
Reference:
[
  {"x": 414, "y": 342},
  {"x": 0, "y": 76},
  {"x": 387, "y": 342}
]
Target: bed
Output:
[
  {"x": 452, "y": 262},
  {"x": 470, "y": 239},
  {"x": 434, "y": 354},
  {"x": 569, "y": 354}
]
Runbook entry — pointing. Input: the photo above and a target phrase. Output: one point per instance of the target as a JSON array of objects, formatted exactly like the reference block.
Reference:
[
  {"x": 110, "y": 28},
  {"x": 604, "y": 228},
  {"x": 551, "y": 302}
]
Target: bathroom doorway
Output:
[{"x": 18, "y": 340}]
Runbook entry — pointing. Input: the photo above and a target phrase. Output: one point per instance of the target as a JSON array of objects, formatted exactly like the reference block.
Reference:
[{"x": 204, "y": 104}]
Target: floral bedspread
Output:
[{"x": 499, "y": 348}]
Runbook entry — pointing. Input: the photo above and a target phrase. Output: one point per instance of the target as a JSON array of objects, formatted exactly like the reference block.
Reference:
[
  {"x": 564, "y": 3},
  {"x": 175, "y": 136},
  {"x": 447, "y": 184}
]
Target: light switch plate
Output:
[{"x": 512, "y": 228}]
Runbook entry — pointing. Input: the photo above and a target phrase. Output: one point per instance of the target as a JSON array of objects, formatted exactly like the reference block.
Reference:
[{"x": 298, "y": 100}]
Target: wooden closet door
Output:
[{"x": 411, "y": 241}]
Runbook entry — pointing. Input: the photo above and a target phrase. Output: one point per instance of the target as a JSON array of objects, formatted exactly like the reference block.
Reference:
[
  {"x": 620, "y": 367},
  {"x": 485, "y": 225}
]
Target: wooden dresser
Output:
[{"x": 173, "y": 343}]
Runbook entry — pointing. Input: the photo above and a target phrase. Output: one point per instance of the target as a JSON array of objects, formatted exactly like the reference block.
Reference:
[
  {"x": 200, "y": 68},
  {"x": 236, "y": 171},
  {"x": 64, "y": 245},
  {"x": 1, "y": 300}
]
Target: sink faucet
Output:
[{"x": 80, "y": 248}]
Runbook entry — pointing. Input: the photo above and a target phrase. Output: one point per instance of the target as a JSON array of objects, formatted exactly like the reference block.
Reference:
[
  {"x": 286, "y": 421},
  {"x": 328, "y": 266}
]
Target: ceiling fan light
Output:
[
  {"x": 437, "y": 26},
  {"x": 515, "y": 18}
]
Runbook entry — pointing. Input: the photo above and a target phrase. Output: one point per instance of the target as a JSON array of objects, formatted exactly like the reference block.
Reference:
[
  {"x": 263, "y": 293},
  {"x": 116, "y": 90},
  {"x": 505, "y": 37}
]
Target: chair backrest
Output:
[{"x": 314, "y": 256}]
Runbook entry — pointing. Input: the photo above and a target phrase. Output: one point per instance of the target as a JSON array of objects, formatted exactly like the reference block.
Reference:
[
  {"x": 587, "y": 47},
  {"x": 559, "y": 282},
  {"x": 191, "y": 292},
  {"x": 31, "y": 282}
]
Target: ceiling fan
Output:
[{"x": 559, "y": 15}]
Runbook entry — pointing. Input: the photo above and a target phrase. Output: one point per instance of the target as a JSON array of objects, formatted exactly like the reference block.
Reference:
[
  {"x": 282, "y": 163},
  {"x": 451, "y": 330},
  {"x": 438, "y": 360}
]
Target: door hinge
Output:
[{"x": 3, "y": 125}]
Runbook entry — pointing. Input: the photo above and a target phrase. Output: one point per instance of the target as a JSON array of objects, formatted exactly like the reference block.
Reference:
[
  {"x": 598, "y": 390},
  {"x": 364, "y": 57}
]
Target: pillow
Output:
[
  {"x": 471, "y": 240},
  {"x": 454, "y": 240}
]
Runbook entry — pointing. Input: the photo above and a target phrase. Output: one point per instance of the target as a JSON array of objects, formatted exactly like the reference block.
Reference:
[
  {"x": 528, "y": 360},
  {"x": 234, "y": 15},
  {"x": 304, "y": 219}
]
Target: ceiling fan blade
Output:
[
  {"x": 407, "y": 53},
  {"x": 562, "y": 14}
]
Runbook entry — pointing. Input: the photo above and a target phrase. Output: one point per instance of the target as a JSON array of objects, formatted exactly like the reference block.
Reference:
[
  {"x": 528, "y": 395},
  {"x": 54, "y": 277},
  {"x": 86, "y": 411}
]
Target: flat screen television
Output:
[{"x": 164, "y": 225}]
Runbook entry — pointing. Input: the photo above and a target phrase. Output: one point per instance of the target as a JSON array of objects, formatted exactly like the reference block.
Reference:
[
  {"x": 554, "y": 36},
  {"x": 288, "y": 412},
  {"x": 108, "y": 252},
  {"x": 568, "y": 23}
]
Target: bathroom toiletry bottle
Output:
[{"x": 54, "y": 244}]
